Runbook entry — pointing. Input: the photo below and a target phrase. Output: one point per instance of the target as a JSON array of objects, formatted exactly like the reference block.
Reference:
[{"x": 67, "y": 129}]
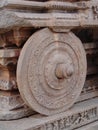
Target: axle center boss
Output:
[{"x": 51, "y": 71}]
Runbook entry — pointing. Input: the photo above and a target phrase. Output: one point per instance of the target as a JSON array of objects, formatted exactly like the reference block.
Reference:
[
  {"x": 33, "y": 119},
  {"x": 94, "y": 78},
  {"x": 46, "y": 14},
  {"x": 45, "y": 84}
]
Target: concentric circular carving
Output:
[{"x": 51, "y": 71}]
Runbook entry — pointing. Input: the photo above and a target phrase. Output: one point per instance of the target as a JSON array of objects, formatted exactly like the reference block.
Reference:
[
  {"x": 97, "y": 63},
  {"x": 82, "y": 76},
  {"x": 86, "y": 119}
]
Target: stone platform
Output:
[{"x": 82, "y": 116}]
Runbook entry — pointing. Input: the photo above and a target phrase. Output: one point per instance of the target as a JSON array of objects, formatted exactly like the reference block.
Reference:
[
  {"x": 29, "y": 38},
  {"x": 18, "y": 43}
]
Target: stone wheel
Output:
[{"x": 51, "y": 71}]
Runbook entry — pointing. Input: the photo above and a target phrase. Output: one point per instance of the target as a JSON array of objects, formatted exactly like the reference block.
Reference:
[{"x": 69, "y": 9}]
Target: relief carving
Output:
[
  {"x": 73, "y": 120},
  {"x": 51, "y": 68}
]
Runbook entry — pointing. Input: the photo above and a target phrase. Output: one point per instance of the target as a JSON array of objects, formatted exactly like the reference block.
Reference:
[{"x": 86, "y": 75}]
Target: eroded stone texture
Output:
[
  {"x": 51, "y": 79},
  {"x": 31, "y": 15},
  {"x": 80, "y": 115},
  {"x": 10, "y": 101},
  {"x": 11, "y": 104},
  {"x": 52, "y": 64}
]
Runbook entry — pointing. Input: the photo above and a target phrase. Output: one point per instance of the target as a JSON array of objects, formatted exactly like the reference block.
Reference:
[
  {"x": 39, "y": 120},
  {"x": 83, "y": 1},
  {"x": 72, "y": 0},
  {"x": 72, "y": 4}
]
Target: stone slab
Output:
[
  {"x": 91, "y": 126},
  {"x": 81, "y": 114},
  {"x": 15, "y": 114}
]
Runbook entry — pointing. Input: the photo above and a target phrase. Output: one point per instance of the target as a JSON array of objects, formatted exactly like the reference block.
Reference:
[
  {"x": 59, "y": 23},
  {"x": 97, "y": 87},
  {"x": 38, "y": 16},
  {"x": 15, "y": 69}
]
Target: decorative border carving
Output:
[{"x": 72, "y": 121}]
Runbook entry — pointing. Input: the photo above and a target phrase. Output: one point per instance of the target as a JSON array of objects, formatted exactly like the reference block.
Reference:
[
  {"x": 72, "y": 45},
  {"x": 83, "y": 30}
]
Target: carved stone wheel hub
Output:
[{"x": 51, "y": 71}]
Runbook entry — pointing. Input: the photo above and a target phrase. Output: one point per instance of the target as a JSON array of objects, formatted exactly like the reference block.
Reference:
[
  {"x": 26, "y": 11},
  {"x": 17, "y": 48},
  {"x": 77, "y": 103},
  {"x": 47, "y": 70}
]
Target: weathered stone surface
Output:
[
  {"x": 12, "y": 106},
  {"x": 17, "y": 36},
  {"x": 15, "y": 114},
  {"x": 11, "y": 16},
  {"x": 10, "y": 101},
  {"x": 8, "y": 62},
  {"x": 51, "y": 71},
  {"x": 91, "y": 126},
  {"x": 81, "y": 114},
  {"x": 90, "y": 89}
]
